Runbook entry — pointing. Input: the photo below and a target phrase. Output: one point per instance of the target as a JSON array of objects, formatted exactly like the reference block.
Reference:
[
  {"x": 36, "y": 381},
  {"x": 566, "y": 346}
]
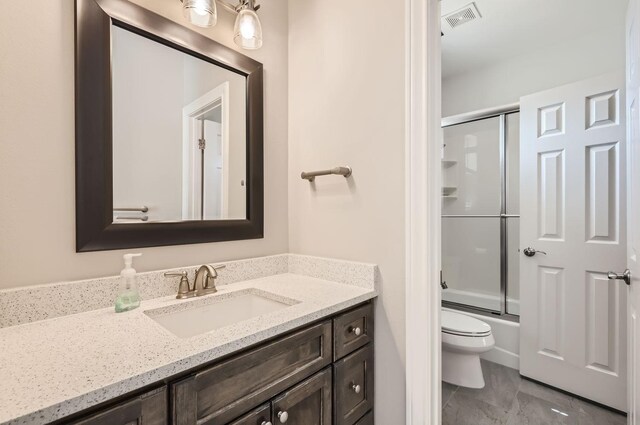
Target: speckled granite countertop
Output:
[{"x": 53, "y": 368}]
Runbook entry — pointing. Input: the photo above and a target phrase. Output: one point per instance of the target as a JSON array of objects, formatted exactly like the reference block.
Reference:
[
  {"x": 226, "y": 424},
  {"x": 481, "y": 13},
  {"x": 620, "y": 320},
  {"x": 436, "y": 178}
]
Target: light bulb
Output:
[
  {"x": 202, "y": 13},
  {"x": 247, "y": 29}
]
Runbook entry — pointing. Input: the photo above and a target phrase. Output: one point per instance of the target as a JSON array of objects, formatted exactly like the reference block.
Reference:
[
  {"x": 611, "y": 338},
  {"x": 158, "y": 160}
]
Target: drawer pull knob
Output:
[
  {"x": 283, "y": 416},
  {"x": 266, "y": 423},
  {"x": 356, "y": 331},
  {"x": 356, "y": 388}
]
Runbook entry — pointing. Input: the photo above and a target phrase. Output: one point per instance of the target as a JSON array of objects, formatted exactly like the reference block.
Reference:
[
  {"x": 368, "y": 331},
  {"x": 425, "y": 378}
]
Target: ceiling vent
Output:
[{"x": 461, "y": 16}]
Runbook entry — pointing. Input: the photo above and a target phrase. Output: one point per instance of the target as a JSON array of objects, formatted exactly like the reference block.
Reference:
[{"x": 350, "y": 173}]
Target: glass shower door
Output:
[{"x": 471, "y": 213}]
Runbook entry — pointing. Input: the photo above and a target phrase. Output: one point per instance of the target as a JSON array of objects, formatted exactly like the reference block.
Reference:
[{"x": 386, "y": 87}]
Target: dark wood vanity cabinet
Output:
[
  {"x": 319, "y": 375},
  {"x": 146, "y": 409}
]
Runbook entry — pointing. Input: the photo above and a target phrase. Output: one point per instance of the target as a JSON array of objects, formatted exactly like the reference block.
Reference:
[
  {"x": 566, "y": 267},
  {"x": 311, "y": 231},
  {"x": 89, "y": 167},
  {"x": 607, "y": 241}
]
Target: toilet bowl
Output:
[{"x": 464, "y": 338}]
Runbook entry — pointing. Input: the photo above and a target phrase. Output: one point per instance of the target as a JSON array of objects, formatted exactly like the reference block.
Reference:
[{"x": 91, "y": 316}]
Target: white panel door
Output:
[
  {"x": 213, "y": 172},
  {"x": 633, "y": 207},
  {"x": 572, "y": 207}
]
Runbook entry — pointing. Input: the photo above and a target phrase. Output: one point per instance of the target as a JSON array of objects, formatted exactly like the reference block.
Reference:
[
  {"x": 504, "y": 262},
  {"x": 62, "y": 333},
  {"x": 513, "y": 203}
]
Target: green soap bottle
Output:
[{"x": 129, "y": 296}]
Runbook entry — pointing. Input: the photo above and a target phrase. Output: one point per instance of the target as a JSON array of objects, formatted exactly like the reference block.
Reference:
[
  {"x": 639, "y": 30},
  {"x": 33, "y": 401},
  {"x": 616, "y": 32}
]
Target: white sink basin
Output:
[{"x": 199, "y": 316}]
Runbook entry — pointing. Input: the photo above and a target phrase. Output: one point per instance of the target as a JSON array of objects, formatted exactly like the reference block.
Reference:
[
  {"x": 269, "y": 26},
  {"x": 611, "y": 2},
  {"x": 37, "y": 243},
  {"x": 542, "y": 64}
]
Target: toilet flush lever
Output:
[{"x": 530, "y": 252}]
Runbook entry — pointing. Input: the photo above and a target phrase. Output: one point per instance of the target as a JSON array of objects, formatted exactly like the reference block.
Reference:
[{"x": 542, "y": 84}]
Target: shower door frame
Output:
[{"x": 500, "y": 112}]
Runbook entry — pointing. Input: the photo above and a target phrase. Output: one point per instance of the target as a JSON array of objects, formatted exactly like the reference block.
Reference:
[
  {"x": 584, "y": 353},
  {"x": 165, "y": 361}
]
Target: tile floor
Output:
[{"x": 508, "y": 399}]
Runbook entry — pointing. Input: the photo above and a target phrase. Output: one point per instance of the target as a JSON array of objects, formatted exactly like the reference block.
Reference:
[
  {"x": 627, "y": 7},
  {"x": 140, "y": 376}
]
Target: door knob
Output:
[
  {"x": 265, "y": 423},
  {"x": 356, "y": 388},
  {"x": 530, "y": 252},
  {"x": 283, "y": 416},
  {"x": 626, "y": 276}
]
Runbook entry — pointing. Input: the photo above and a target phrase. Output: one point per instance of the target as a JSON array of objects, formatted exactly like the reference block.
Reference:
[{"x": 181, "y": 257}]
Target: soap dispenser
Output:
[{"x": 129, "y": 296}]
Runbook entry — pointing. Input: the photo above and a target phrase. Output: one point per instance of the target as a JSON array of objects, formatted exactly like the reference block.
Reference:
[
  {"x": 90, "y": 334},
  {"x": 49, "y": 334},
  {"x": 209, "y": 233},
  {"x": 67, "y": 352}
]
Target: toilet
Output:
[{"x": 464, "y": 338}]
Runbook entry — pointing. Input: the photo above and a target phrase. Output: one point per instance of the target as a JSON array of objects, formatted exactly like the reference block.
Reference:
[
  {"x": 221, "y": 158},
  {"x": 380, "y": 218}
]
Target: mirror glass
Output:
[{"x": 179, "y": 135}]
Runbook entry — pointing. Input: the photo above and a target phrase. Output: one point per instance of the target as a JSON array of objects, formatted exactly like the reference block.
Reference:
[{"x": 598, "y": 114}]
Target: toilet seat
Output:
[{"x": 463, "y": 325}]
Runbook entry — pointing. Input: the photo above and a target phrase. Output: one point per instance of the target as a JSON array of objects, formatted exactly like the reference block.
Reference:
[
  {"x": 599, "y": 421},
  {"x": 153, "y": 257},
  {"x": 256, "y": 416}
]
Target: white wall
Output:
[
  {"x": 505, "y": 82},
  {"x": 37, "y": 188},
  {"x": 347, "y": 107}
]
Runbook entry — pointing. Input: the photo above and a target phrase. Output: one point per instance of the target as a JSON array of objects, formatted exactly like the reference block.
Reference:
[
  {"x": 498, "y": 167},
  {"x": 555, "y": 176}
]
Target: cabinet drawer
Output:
[
  {"x": 367, "y": 420},
  {"x": 352, "y": 330},
  {"x": 147, "y": 409},
  {"x": 225, "y": 391},
  {"x": 353, "y": 392},
  {"x": 260, "y": 416}
]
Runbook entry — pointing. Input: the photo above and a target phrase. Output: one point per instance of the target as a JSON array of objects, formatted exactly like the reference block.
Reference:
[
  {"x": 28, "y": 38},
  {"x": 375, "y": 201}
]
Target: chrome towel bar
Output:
[
  {"x": 339, "y": 171},
  {"x": 143, "y": 209}
]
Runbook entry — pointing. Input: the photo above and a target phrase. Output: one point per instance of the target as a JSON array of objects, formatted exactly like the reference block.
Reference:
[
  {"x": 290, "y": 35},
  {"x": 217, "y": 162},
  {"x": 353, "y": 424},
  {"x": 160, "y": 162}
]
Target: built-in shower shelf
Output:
[
  {"x": 447, "y": 163},
  {"x": 449, "y": 192},
  {"x": 449, "y": 197}
]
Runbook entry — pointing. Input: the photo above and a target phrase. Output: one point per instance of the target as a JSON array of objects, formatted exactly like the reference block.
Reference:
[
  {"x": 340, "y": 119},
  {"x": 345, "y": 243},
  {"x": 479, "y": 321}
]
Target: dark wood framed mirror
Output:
[{"x": 161, "y": 158}]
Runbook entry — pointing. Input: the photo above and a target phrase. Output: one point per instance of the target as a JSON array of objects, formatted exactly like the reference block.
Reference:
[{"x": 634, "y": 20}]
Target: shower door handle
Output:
[{"x": 530, "y": 252}]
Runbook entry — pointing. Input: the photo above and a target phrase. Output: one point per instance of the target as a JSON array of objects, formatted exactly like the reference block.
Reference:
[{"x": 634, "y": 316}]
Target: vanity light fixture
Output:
[{"x": 247, "y": 30}]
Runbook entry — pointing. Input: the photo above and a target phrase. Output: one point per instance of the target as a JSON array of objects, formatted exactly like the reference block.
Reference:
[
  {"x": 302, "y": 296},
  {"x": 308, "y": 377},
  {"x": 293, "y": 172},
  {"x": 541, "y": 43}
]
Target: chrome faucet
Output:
[{"x": 204, "y": 283}]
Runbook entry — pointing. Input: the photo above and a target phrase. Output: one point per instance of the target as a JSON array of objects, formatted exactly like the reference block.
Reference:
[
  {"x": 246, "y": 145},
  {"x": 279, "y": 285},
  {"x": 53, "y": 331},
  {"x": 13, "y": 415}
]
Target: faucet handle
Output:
[
  {"x": 216, "y": 268},
  {"x": 184, "y": 288}
]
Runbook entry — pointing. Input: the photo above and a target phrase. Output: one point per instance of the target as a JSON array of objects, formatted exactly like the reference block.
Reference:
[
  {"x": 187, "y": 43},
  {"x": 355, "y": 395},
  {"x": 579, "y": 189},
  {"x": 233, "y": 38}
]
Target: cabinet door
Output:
[
  {"x": 147, "y": 409},
  {"x": 353, "y": 392},
  {"x": 308, "y": 403},
  {"x": 260, "y": 416},
  {"x": 366, "y": 420}
]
